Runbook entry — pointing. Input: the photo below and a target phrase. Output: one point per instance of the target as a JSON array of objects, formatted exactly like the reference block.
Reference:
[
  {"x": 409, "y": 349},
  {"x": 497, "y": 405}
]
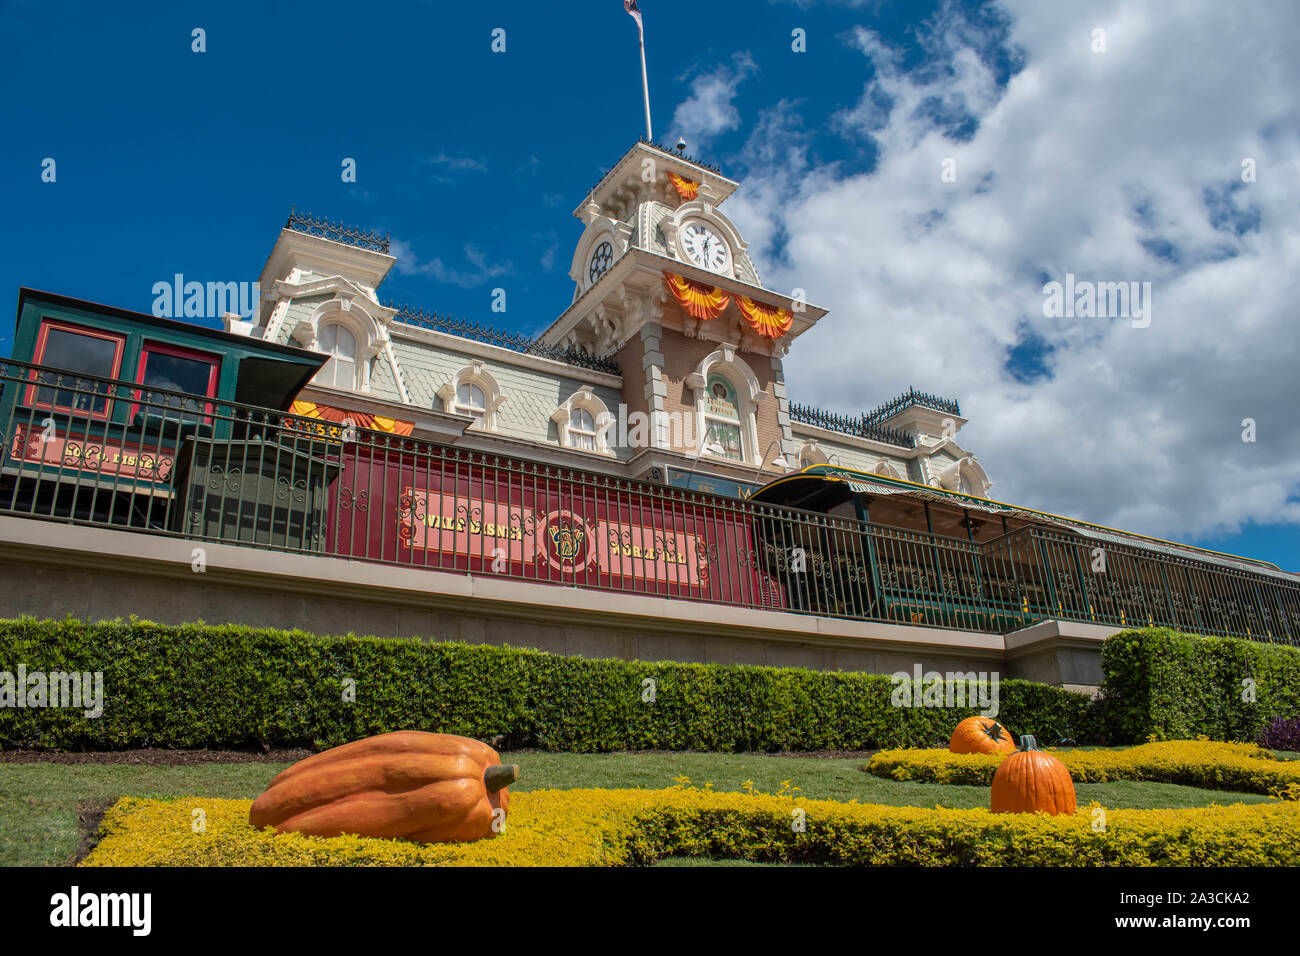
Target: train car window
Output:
[
  {"x": 71, "y": 348},
  {"x": 178, "y": 370}
]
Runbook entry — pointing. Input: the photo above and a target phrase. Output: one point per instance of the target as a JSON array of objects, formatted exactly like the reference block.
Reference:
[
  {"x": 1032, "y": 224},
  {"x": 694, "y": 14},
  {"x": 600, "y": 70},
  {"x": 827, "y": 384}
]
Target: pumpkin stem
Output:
[
  {"x": 1027, "y": 742},
  {"x": 994, "y": 731},
  {"x": 499, "y": 776}
]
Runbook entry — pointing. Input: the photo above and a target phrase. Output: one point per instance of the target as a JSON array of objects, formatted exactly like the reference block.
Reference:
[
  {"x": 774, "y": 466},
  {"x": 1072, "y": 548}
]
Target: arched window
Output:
[
  {"x": 810, "y": 454},
  {"x": 886, "y": 470},
  {"x": 473, "y": 393},
  {"x": 470, "y": 401},
  {"x": 582, "y": 421},
  {"x": 337, "y": 341},
  {"x": 581, "y": 432},
  {"x": 722, "y": 420}
]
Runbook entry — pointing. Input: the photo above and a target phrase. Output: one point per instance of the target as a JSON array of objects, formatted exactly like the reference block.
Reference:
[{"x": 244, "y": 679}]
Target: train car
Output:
[
  {"x": 113, "y": 416},
  {"x": 414, "y": 503}
]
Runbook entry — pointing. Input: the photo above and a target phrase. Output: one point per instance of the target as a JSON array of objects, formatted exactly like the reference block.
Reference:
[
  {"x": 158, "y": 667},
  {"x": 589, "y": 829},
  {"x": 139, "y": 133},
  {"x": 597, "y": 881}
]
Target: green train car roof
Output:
[{"x": 781, "y": 490}]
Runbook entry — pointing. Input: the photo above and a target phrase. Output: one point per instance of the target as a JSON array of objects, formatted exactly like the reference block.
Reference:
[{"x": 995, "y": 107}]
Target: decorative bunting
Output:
[
  {"x": 338, "y": 416},
  {"x": 685, "y": 188},
  {"x": 699, "y": 300},
  {"x": 768, "y": 321}
]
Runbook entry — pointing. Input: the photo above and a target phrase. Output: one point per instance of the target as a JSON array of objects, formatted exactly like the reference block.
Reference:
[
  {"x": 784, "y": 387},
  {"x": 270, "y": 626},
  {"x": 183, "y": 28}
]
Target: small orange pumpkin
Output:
[
  {"x": 981, "y": 735},
  {"x": 430, "y": 788},
  {"x": 1030, "y": 781}
]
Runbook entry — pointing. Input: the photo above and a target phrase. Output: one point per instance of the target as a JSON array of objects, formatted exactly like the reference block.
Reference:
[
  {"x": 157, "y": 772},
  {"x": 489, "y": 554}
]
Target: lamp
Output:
[
  {"x": 712, "y": 447},
  {"x": 779, "y": 461}
]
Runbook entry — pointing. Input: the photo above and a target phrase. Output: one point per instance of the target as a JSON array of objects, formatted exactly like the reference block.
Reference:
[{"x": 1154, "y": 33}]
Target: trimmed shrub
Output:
[
  {"x": 622, "y": 827},
  {"x": 1164, "y": 685},
  {"x": 1196, "y": 763},
  {"x": 194, "y": 686}
]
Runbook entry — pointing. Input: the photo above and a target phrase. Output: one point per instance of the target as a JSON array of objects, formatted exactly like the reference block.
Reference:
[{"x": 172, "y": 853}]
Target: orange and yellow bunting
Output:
[
  {"x": 338, "y": 416},
  {"x": 685, "y": 188},
  {"x": 699, "y": 300},
  {"x": 768, "y": 321}
]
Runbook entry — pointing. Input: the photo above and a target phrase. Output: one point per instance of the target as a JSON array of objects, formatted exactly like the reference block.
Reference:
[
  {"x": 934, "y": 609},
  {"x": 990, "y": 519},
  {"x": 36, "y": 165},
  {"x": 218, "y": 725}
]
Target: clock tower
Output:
[{"x": 664, "y": 283}]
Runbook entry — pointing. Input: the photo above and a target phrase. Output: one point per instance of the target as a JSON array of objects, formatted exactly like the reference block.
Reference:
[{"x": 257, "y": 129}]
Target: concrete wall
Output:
[{"x": 50, "y": 569}]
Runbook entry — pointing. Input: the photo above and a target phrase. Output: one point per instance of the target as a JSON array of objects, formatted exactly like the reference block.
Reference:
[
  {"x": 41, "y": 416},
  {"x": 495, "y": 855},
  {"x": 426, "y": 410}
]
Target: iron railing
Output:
[
  {"x": 336, "y": 232},
  {"x": 1058, "y": 574},
  {"x": 87, "y": 450},
  {"x": 909, "y": 399},
  {"x": 850, "y": 425}
]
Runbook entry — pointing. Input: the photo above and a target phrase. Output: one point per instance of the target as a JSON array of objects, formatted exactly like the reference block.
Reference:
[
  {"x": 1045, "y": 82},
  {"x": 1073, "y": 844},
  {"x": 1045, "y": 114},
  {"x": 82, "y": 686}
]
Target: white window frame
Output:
[
  {"x": 493, "y": 398},
  {"x": 727, "y": 364},
  {"x": 331, "y": 364},
  {"x": 586, "y": 400}
]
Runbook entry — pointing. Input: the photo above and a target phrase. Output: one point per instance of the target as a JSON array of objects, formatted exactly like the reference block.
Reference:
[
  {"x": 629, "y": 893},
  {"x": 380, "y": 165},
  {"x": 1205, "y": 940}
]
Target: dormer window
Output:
[
  {"x": 473, "y": 393},
  {"x": 470, "y": 402},
  {"x": 337, "y": 341},
  {"x": 811, "y": 454},
  {"x": 582, "y": 430},
  {"x": 582, "y": 422}
]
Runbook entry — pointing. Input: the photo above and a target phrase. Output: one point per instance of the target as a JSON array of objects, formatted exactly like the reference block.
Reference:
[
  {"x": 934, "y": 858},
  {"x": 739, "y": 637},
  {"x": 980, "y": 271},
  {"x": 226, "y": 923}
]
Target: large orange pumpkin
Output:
[
  {"x": 431, "y": 788},
  {"x": 981, "y": 735},
  {"x": 1030, "y": 781}
]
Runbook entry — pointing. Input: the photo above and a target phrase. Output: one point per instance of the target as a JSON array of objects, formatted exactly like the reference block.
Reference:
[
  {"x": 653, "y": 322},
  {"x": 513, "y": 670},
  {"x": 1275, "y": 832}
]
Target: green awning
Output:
[{"x": 862, "y": 482}]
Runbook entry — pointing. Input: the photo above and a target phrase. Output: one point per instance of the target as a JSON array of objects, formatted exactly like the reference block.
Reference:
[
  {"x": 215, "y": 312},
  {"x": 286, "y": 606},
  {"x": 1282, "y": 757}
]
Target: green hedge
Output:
[
  {"x": 1168, "y": 685},
  {"x": 199, "y": 686}
]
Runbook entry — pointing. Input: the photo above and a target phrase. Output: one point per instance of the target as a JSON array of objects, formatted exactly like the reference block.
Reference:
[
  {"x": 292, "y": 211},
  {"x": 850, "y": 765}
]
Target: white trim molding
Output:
[
  {"x": 475, "y": 374},
  {"x": 964, "y": 470},
  {"x": 345, "y": 310},
  {"x": 587, "y": 400},
  {"x": 725, "y": 362}
]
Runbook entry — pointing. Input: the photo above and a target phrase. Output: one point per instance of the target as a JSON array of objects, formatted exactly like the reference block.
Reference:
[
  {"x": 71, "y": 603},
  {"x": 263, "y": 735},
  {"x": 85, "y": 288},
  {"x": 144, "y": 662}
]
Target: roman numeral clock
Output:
[{"x": 704, "y": 247}]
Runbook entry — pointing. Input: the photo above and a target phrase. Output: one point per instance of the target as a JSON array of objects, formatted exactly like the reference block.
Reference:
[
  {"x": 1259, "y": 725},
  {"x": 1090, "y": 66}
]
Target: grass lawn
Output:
[{"x": 38, "y": 801}]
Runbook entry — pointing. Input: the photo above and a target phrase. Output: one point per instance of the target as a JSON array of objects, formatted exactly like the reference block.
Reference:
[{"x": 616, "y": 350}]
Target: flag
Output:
[{"x": 633, "y": 11}]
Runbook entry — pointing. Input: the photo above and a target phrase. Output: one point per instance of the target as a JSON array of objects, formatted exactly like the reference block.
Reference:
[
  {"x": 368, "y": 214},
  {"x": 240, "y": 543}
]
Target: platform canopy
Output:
[{"x": 899, "y": 503}]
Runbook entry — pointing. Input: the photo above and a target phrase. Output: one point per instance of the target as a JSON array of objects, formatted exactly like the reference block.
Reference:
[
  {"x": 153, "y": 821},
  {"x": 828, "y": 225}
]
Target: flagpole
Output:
[{"x": 645, "y": 82}]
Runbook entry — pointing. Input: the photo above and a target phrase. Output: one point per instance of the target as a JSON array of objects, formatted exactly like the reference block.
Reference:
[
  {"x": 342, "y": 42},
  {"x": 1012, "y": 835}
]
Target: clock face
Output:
[
  {"x": 704, "y": 247},
  {"x": 600, "y": 261}
]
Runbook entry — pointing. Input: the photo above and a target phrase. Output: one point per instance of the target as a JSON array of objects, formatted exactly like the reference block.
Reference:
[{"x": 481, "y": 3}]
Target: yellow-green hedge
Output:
[
  {"x": 621, "y": 827},
  {"x": 1200, "y": 763}
]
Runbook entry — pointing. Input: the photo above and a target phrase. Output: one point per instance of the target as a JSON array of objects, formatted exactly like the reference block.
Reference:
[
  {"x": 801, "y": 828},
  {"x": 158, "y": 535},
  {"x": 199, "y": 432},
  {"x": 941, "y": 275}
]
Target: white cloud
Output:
[
  {"x": 709, "y": 110},
  {"x": 1116, "y": 166},
  {"x": 455, "y": 163},
  {"x": 480, "y": 271}
]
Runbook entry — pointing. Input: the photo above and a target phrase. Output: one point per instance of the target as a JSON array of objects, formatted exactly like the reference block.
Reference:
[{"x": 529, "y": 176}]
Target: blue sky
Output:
[{"x": 173, "y": 161}]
